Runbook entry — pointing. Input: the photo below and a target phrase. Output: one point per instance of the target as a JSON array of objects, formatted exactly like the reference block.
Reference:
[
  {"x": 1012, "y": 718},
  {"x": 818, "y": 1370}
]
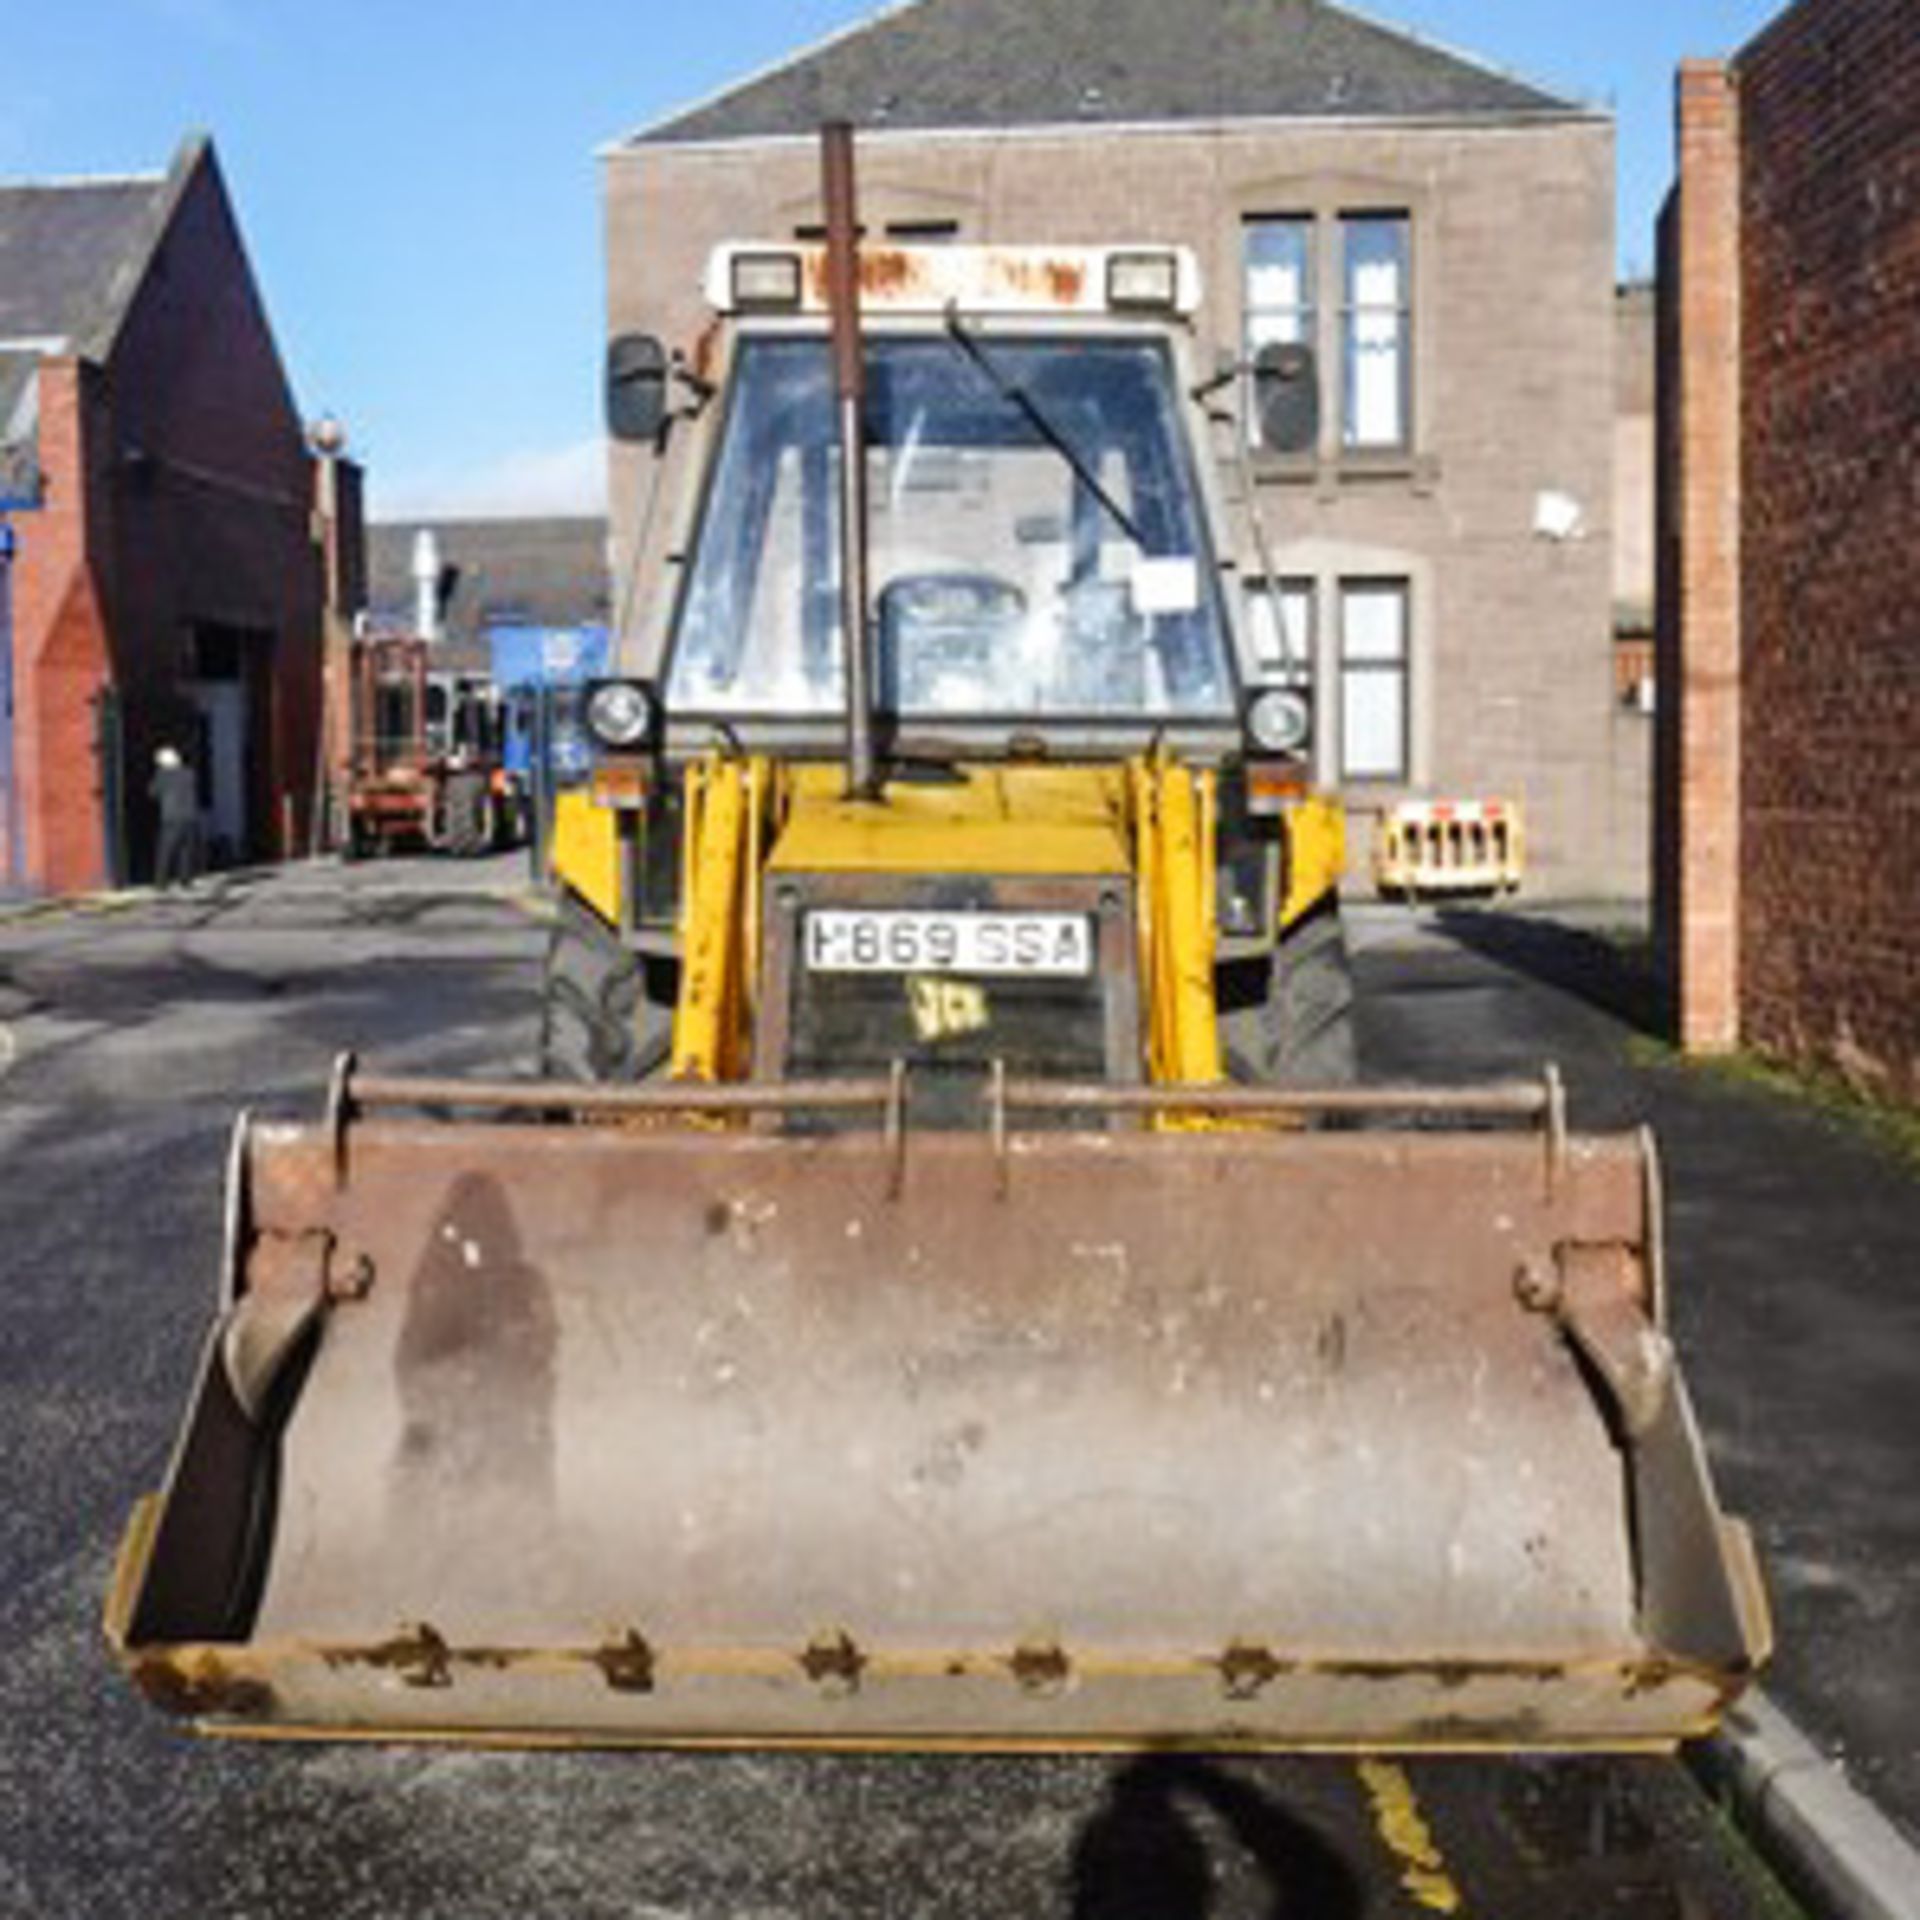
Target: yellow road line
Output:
[{"x": 1403, "y": 1828}]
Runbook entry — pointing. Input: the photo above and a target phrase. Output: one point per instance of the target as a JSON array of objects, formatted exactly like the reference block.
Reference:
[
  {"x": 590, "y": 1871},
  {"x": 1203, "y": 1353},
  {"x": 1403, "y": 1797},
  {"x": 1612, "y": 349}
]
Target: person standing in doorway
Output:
[{"x": 176, "y": 793}]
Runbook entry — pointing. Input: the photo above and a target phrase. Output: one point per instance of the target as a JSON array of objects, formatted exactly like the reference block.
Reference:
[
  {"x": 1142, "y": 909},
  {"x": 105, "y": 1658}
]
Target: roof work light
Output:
[
  {"x": 766, "y": 281},
  {"x": 1147, "y": 282}
]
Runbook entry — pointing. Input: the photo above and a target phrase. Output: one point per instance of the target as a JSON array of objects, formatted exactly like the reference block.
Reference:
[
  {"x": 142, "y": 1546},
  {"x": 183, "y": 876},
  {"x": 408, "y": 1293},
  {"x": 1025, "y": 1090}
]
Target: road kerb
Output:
[{"x": 1824, "y": 1838}]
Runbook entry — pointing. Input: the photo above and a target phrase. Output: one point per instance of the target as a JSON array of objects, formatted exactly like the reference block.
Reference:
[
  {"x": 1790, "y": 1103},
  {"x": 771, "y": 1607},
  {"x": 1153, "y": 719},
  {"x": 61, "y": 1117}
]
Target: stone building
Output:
[
  {"x": 1789, "y": 791},
  {"x": 545, "y": 571},
  {"x": 156, "y": 495},
  {"x": 1442, "y": 232}
]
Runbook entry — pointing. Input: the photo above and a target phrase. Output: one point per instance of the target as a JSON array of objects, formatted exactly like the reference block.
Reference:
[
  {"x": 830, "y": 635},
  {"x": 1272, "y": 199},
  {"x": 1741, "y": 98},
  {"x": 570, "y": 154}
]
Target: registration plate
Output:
[{"x": 862, "y": 940}]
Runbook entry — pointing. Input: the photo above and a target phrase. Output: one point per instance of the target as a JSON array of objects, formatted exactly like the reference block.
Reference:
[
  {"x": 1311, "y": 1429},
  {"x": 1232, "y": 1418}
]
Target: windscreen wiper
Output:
[{"x": 1017, "y": 396}]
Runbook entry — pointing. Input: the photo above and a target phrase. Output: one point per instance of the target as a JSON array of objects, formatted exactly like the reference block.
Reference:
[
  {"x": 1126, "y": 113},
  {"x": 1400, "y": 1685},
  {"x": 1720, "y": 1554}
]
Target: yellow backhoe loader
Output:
[{"x": 949, "y": 1287}]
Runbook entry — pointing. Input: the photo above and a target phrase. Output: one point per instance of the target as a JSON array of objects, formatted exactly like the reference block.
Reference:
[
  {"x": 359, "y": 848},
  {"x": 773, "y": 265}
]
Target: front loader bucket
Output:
[{"x": 674, "y": 1432}]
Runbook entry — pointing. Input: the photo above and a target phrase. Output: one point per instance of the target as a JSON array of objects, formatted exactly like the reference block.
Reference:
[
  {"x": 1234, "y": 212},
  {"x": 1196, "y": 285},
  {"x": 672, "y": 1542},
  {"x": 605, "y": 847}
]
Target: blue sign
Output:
[{"x": 528, "y": 656}]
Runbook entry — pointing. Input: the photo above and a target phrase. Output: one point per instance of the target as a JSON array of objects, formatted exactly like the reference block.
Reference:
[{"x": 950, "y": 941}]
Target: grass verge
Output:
[{"x": 1819, "y": 1091}]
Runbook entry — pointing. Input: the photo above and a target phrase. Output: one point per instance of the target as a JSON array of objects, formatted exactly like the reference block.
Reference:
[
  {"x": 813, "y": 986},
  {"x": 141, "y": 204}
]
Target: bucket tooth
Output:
[
  {"x": 833, "y": 1663},
  {"x": 1041, "y": 1667},
  {"x": 628, "y": 1663},
  {"x": 1247, "y": 1669}
]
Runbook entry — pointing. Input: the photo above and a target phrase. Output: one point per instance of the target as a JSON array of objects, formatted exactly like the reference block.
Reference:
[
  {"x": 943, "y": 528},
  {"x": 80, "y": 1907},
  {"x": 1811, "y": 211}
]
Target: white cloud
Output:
[{"x": 530, "y": 482}]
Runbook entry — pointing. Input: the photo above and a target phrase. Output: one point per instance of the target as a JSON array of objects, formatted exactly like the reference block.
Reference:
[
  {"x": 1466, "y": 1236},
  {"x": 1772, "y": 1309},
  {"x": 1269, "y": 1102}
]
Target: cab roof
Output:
[{"x": 1133, "y": 280}]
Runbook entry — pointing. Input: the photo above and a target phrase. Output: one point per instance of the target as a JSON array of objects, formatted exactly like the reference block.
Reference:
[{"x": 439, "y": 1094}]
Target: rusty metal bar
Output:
[
  {"x": 1654, "y": 1188},
  {"x": 896, "y": 1129},
  {"x": 345, "y": 1066},
  {"x": 1519, "y": 1100},
  {"x": 658, "y": 1096},
  {"x": 353, "y": 1091},
  {"x": 997, "y": 1124},
  {"x": 843, "y": 300},
  {"x": 1556, "y": 1124}
]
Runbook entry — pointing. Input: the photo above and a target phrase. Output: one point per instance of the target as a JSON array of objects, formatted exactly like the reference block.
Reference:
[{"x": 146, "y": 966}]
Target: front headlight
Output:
[
  {"x": 1280, "y": 720},
  {"x": 620, "y": 713}
]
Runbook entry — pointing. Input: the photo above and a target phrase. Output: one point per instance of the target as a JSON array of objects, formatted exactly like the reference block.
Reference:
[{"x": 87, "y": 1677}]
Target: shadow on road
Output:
[
  {"x": 1615, "y": 974},
  {"x": 1144, "y": 1856}
]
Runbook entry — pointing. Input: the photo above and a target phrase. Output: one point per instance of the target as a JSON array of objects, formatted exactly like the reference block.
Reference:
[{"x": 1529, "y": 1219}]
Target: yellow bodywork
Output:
[
  {"x": 1316, "y": 855},
  {"x": 719, "y": 917},
  {"x": 1150, "y": 819},
  {"x": 1174, "y": 840},
  {"x": 585, "y": 851},
  {"x": 1013, "y": 820}
]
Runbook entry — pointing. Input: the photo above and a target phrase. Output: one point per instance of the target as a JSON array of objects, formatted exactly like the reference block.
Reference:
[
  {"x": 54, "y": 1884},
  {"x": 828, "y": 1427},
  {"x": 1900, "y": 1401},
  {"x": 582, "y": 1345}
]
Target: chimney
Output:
[{"x": 426, "y": 584}]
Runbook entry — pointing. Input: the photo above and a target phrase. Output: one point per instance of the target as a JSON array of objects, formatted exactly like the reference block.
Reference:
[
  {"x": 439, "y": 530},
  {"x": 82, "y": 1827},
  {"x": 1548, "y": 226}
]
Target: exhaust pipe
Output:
[{"x": 843, "y": 302}]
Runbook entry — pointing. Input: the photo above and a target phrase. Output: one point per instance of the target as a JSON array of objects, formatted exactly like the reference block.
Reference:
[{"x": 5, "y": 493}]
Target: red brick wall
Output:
[
  {"x": 1699, "y": 754},
  {"x": 61, "y": 655},
  {"x": 1830, "y": 361}
]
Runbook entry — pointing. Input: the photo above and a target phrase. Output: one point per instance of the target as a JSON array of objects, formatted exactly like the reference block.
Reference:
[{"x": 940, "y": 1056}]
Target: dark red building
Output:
[{"x": 157, "y": 497}]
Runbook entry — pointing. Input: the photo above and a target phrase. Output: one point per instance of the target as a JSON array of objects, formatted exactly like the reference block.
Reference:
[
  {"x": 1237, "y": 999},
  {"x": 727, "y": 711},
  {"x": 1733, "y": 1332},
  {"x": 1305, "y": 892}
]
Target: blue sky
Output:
[{"x": 418, "y": 190}]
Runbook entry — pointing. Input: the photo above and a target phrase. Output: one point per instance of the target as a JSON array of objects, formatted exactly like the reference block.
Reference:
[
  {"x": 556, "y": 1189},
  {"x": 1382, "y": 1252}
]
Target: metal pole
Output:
[
  {"x": 327, "y": 815},
  {"x": 9, "y": 793},
  {"x": 843, "y": 302},
  {"x": 539, "y": 773}
]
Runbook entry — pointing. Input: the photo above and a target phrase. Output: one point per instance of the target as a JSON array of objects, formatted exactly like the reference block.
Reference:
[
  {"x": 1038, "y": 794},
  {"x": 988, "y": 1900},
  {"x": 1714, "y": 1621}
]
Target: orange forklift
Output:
[{"x": 427, "y": 765}]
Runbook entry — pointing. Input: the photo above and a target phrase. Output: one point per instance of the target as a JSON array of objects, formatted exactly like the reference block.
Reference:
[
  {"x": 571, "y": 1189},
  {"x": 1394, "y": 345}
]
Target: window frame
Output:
[
  {"x": 1182, "y": 449},
  {"x": 1275, "y": 672},
  {"x": 1305, "y": 312},
  {"x": 1353, "y": 311},
  {"x": 1399, "y": 669}
]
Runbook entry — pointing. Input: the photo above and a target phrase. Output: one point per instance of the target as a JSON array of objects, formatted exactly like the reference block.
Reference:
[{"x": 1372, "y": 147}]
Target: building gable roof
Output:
[
  {"x": 71, "y": 257},
  {"x": 965, "y": 64},
  {"x": 74, "y": 255}
]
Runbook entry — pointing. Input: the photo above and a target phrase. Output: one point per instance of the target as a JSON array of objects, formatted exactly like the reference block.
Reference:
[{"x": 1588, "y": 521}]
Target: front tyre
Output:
[
  {"x": 597, "y": 1023},
  {"x": 1300, "y": 1032},
  {"x": 469, "y": 825}
]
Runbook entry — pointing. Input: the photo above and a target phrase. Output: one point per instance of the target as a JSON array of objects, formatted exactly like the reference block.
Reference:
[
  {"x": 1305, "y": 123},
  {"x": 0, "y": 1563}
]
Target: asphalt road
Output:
[{"x": 130, "y": 1038}]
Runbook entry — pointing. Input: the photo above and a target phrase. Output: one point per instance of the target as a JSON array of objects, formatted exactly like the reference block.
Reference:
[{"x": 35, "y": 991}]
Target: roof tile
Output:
[
  {"x": 65, "y": 255},
  {"x": 1002, "y": 63}
]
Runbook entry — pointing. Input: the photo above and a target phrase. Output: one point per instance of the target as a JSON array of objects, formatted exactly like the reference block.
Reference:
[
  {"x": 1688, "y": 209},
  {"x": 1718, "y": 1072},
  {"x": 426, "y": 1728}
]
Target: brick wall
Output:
[
  {"x": 1830, "y": 210},
  {"x": 212, "y": 520},
  {"x": 61, "y": 649},
  {"x": 1514, "y": 372},
  {"x": 1699, "y": 753}
]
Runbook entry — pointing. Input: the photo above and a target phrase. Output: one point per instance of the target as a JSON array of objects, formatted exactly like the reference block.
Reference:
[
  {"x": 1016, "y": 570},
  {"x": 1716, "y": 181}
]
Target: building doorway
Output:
[
  {"x": 221, "y": 761},
  {"x": 227, "y": 691}
]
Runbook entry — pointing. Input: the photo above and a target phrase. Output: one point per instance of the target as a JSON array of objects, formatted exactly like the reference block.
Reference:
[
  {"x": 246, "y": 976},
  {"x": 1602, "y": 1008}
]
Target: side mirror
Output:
[
  {"x": 1286, "y": 396},
  {"x": 636, "y": 398}
]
